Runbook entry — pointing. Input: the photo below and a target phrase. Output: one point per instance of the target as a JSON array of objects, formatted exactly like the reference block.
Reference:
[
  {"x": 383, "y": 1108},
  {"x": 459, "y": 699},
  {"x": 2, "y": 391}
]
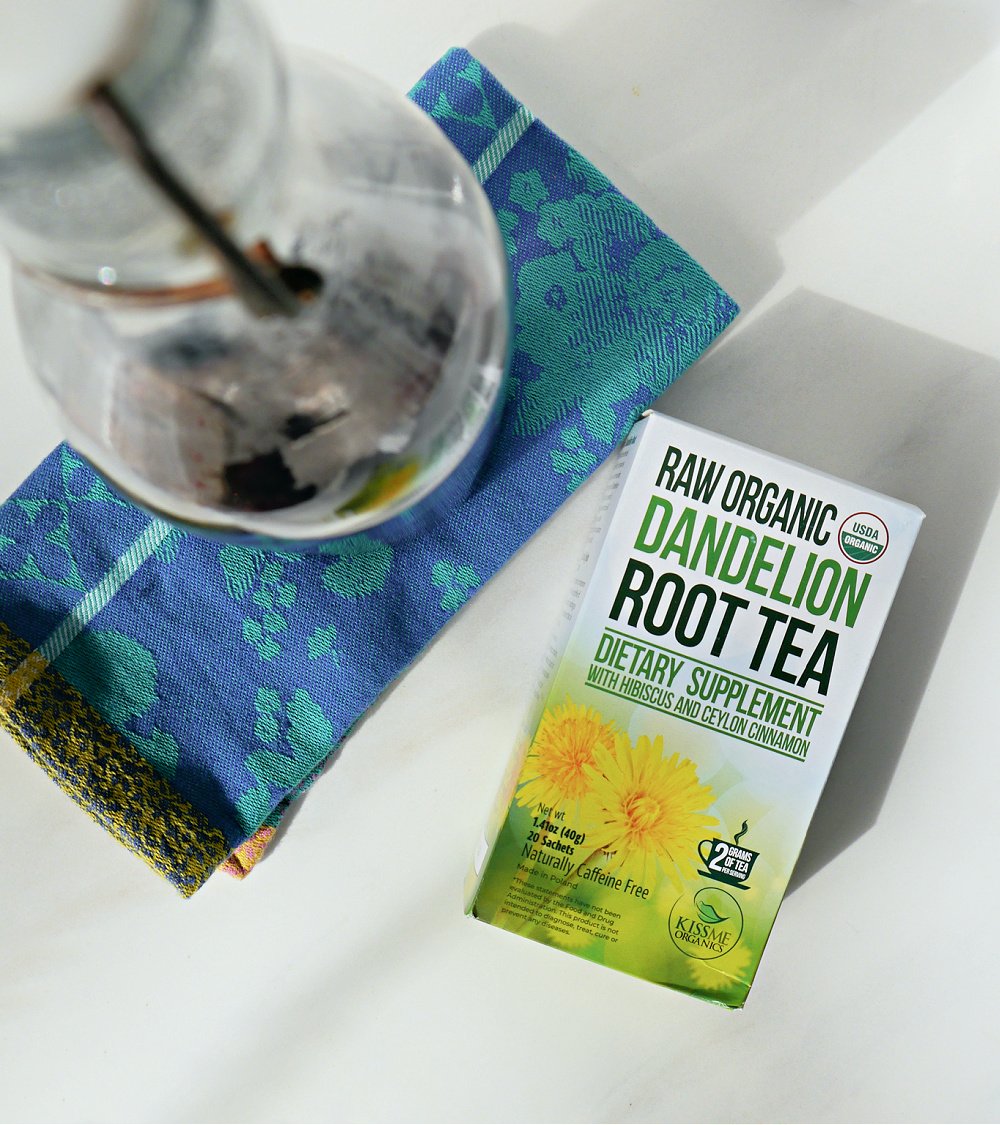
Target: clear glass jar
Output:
[{"x": 374, "y": 401}]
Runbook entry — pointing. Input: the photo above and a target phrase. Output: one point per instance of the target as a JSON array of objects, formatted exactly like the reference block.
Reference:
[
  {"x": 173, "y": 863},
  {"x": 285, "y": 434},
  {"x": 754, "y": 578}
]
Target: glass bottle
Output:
[{"x": 309, "y": 338}]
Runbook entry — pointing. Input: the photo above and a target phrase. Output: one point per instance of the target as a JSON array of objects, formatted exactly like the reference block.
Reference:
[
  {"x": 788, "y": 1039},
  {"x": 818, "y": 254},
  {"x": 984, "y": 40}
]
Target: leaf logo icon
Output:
[{"x": 708, "y": 913}]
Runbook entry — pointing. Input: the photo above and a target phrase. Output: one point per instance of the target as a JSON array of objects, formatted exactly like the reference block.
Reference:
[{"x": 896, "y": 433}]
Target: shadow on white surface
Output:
[
  {"x": 727, "y": 122},
  {"x": 897, "y": 411},
  {"x": 730, "y": 126},
  {"x": 894, "y": 410}
]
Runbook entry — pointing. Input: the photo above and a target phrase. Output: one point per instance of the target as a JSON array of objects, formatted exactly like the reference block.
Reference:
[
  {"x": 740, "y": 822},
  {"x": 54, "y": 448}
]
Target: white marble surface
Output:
[{"x": 836, "y": 165}]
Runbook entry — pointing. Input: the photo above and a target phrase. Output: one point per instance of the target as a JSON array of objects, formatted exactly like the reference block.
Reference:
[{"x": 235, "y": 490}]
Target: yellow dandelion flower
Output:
[
  {"x": 568, "y": 939},
  {"x": 720, "y": 972},
  {"x": 567, "y": 738},
  {"x": 646, "y": 810}
]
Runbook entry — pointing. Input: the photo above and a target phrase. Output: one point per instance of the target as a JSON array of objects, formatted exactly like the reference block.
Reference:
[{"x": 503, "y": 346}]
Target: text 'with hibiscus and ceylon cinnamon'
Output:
[{"x": 726, "y": 611}]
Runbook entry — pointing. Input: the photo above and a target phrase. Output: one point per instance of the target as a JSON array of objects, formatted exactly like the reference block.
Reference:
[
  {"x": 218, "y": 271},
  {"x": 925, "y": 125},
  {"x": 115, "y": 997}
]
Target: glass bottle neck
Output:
[{"x": 207, "y": 87}]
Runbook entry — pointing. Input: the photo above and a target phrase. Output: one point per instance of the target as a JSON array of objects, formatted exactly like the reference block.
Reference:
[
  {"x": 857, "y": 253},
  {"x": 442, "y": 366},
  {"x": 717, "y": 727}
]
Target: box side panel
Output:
[{"x": 599, "y": 532}]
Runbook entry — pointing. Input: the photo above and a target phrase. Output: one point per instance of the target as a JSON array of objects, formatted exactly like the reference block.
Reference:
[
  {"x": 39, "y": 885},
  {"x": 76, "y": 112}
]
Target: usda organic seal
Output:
[{"x": 863, "y": 537}]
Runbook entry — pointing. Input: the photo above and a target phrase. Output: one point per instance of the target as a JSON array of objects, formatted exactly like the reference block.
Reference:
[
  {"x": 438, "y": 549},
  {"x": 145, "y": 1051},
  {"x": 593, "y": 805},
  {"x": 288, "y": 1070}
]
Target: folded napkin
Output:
[{"x": 181, "y": 690}]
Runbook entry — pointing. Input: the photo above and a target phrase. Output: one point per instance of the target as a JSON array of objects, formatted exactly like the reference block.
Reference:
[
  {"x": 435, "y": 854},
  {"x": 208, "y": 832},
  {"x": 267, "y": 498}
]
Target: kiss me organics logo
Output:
[
  {"x": 863, "y": 538},
  {"x": 706, "y": 924}
]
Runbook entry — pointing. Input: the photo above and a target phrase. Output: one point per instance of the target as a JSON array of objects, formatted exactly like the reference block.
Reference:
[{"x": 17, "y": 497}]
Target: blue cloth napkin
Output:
[{"x": 182, "y": 690}]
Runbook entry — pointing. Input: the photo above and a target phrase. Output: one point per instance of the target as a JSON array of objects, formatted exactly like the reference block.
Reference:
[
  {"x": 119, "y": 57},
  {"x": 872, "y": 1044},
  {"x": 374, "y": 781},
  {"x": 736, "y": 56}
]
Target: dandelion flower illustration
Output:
[
  {"x": 568, "y": 939},
  {"x": 646, "y": 810},
  {"x": 720, "y": 972},
  {"x": 555, "y": 770}
]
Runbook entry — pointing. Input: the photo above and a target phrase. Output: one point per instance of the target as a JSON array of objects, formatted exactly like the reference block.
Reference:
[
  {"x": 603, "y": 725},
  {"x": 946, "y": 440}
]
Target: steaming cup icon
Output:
[{"x": 726, "y": 861}]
